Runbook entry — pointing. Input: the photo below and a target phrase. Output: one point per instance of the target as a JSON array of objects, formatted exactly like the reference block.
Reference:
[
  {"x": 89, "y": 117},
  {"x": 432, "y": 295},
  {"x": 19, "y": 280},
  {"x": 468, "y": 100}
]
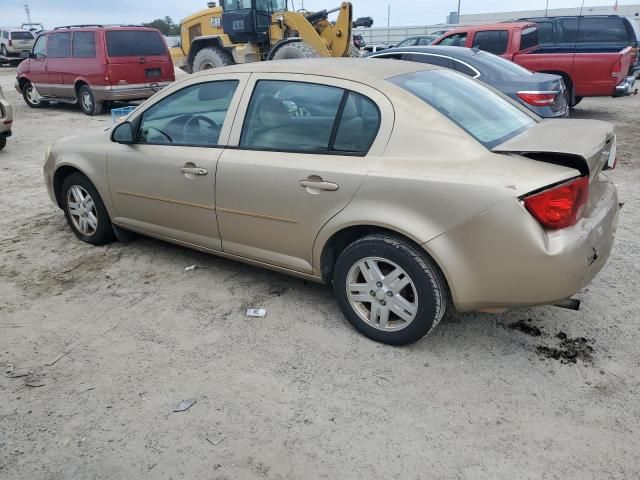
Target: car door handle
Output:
[
  {"x": 194, "y": 170},
  {"x": 319, "y": 185}
]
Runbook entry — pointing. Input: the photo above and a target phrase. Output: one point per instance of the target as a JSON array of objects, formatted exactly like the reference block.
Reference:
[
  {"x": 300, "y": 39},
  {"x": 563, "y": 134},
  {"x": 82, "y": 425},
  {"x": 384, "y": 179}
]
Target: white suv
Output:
[{"x": 15, "y": 40}]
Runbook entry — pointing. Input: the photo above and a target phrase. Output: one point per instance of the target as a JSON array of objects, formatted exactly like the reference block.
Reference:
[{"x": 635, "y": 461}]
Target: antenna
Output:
[{"x": 27, "y": 11}]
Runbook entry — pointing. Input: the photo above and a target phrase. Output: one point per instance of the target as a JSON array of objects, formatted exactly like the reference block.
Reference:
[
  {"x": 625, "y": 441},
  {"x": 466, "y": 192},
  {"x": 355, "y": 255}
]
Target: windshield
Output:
[
  {"x": 504, "y": 68},
  {"x": 21, "y": 36},
  {"x": 261, "y": 5},
  {"x": 483, "y": 114}
]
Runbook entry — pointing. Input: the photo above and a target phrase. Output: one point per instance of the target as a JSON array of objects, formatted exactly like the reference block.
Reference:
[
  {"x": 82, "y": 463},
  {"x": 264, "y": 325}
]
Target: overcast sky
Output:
[{"x": 403, "y": 12}]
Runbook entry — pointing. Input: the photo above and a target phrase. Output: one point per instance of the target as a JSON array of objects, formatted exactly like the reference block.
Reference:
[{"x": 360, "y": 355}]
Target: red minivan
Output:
[{"x": 90, "y": 65}]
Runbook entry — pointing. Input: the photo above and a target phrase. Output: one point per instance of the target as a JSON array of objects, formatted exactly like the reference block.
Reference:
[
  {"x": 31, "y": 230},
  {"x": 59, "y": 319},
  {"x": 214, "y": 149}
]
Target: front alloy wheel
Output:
[{"x": 82, "y": 211}]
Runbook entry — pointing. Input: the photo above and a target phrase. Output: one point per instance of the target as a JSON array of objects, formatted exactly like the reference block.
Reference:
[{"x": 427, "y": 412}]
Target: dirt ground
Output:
[{"x": 540, "y": 393}]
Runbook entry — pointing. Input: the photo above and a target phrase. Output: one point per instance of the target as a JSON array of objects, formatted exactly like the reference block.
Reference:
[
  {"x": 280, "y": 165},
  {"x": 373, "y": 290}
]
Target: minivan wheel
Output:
[
  {"x": 85, "y": 211},
  {"x": 31, "y": 96},
  {"x": 88, "y": 102},
  {"x": 389, "y": 289}
]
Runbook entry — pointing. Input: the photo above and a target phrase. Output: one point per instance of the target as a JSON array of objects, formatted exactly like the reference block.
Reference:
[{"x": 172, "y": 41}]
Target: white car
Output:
[{"x": 14, "y": 40}]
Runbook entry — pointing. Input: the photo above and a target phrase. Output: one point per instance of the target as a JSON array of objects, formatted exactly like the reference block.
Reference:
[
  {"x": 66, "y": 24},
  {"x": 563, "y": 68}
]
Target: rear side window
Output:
[
  {"x": 466, "y": 69},
  {"x": 603, "y": 30},
  {"x": 308, "y": 118},
  {"x": 21, "y": 36},
  {"x": 529, "y": 38},
  {"x": 545, "y": 32},
  {"x": 455, "y": 40},
  {"x": 134, "y": 43},
  {"x": 84, "y": 44},
  {"x": 431, "y": 60},
  {"x": 494, "y": 41},
  {"x": 59, "y": 45}
]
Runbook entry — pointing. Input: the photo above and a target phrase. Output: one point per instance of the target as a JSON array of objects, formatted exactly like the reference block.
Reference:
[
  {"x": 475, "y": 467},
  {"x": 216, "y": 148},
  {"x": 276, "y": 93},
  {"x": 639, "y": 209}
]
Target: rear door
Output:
[
  {"x": 304, "y": 147},
  {"x": 137, "y": 58}
]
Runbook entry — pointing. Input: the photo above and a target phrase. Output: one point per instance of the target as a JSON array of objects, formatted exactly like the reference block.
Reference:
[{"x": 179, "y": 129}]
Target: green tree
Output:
[{"x": 165, "y": 25}]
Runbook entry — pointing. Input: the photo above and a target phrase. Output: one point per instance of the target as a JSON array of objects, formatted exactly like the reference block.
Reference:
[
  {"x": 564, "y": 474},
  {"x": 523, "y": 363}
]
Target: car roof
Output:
[
  {"x": 456, "y": 52},
  {"x": 493, "y": 26},
  {"x": 14, "y": 29},
  {"x": 355, "y": 69}
]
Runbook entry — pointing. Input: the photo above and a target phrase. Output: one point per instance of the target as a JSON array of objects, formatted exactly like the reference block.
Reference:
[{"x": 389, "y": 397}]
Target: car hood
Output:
[{"x": 585, "y": 140}]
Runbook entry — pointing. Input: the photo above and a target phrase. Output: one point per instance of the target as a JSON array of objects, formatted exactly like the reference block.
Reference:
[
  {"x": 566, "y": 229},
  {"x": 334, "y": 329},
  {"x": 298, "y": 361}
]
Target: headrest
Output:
[
  {"x": 216, "y": 90},
  {"x": 273, "y": 113}
]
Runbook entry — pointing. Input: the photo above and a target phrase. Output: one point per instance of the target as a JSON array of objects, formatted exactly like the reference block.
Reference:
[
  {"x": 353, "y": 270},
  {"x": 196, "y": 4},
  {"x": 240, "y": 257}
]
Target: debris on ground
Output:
[
  {"x": 256, "y": 312},
  {"x": 215, "y": 443},
  {"x": 526, "y": 327},
  {"x": 21, "y": 372},
  {"x": 570, "y": 350},
  {"x": 184, "y": 405},
  {"x": 190, "y": 268},
  {"x": 34, "y": 381},
  {"x": 62, "y": 355}
]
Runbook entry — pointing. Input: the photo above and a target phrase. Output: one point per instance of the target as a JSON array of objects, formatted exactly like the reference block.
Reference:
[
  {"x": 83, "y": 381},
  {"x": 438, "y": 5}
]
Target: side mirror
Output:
[{"x": 123, "y": 133}]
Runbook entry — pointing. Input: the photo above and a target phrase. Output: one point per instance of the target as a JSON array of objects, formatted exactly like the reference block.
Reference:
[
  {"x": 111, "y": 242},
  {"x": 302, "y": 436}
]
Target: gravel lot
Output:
[{"x": 298, "y": 394}]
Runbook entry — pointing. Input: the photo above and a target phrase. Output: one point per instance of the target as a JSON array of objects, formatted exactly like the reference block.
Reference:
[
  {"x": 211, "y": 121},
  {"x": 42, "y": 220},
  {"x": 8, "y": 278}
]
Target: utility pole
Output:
[
  {"x": 546, "y": 9},
  {"x": 28, "y": 11},
  {"x": 458, "y": 18},
  {"x": 388, "y": 22}
]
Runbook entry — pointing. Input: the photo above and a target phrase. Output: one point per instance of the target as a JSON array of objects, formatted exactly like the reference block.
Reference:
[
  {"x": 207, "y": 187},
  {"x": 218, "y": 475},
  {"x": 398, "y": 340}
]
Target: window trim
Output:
[
  {"x": 336, "y": 125},
  {"x": 477, "y": 73},
  {"x": 136, "y": 123}
]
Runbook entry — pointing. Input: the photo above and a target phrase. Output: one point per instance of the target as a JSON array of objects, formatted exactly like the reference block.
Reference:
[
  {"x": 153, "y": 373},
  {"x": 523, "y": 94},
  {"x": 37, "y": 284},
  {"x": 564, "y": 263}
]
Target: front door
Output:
[
  {"x": 164, "y": 184},
  {"x": 303, "y": 150},
  {"x": 38, "y": 66}
]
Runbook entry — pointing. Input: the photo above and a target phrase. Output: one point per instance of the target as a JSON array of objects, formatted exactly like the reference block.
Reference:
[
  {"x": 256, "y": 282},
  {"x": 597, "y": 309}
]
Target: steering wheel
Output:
[
  {"x": 160, "y": 132},
  {"x": 194, "y": 123}
]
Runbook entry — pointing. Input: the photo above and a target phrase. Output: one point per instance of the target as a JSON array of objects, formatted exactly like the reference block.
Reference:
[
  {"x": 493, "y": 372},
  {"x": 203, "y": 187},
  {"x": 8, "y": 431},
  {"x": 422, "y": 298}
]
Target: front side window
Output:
[
  {"x": 545, "y": 32},
  {"x": 529, "y": 38},
  {"x": 308, "y": 118},
  {"x": 229, "y": 5},
  {"x": 59, "y": 45},
  {"x": 594, "y": 29},
  {"x": 40, "y": 48},
  {"x": 5, "y": 34},
  {"x": 192, "y": 116},
  {"x": 456, "y": 40},
  {"x": 494, "y": 41},
  {"x": 135, "y": 43},
  {"x": 483, "y": 114},
  {"x": 84, "y": 45}
]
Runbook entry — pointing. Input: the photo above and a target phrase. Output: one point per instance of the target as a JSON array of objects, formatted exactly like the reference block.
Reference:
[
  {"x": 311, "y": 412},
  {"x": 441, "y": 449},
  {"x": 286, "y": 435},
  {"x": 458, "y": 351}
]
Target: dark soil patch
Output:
[
  {"x": 570, "y": 350},
  {"x": 526, "y": 327}
]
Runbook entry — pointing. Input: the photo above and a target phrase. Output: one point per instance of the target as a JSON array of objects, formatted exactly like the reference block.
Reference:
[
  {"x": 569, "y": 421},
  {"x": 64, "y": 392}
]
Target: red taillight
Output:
[
  {"x": 561, "y": 206},
  {"x": 538, "y": 99},
  {"x": 7, "y": 122},
  {"x": 617, "y": 69}
]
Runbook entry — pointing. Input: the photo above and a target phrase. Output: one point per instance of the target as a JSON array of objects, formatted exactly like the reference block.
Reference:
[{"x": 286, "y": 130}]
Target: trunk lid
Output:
[
  {"x": 582, "y": 144},
  {"x": 137, "y": 57}
]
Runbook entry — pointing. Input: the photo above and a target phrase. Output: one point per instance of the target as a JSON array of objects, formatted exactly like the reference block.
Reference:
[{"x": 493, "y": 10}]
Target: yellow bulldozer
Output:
[{"x": 243, "y": 31}]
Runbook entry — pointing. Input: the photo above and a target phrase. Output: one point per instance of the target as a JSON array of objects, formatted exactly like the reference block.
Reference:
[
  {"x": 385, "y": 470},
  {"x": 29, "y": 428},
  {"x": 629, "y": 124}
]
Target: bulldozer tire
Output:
[
  {"x": 209, "y": 58},
  {"x": 295, "y": 50}
]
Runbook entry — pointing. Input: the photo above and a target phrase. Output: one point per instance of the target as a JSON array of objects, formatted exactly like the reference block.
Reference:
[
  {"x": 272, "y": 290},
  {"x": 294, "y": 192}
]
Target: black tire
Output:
[
  {"x": 104, "y": 232},
  {"x": 295, "y": 50},
  {"x": 430, "y": 286},
  {"x": 3, "y": 141},
  {"x": 30, "y": 99},
  {"x": 87, "y": 101},
  {"x": 209, "y": 58},
  {"x": 3, "y": 51},
  {"x": 576, "y": 101}
]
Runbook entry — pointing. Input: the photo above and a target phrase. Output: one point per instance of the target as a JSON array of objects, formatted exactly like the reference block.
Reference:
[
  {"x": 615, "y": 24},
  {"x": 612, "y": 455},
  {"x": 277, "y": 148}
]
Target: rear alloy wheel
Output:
[
  {"x": 31, "y": 96},
  {"x": 294, "y": 50},
  {"x": 389, "y": 290},
  {"x": 88, "y": 102},
  {"x": 209, "y": 58},
  {"x": 85, "y": 211}
]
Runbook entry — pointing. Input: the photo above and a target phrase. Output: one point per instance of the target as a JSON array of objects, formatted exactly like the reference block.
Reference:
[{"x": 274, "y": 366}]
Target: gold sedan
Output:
[{"x": 407, "y": 187}]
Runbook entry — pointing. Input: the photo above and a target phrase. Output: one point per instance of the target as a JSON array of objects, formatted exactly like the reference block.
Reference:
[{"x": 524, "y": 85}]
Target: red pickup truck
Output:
[{"x": 594, "y": 74}]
